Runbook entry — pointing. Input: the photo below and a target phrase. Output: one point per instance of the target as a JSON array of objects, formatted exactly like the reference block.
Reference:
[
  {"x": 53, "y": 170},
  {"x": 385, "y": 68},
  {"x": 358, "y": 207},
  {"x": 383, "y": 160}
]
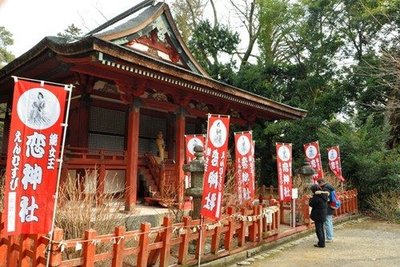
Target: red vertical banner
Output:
[
  {"x": 33, "y": 157},
  {"x": 244, "y": 166},
  {"x": 214, "y": 165},
  {"x": 313, "y": 156},
  {"x": 284, "y": 165},
  {"x": 191, "y": 141},
  {"x": 334, "y": 162}
]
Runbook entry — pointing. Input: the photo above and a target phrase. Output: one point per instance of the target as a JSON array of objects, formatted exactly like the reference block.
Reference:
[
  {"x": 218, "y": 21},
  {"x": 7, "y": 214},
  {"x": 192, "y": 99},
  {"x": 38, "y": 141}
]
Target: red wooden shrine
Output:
[{"x": 133, "y": 77}]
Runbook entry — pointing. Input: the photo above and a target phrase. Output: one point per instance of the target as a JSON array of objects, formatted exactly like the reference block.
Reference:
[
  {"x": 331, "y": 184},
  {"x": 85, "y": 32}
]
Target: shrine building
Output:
[{"x": 133, "y": 77}]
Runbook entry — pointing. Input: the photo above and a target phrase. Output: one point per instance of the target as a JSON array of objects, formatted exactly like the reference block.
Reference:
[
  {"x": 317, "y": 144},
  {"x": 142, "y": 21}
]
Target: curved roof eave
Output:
[
  {"x": 92, "y": 44},
  {"x": 55, "y": 44}
]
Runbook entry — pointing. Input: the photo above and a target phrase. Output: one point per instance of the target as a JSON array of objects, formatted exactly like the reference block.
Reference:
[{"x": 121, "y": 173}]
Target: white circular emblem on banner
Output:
[
  {"x": 38, "y": 108},
  {"x": 332, "y": 154},
  {"x": 243, "y": 145},
  {"x": 218, "y": 133},
  {"x": 284, "y": 153},
  {"x": 311, "y": 152},
  {"x": 194, "y": 142}
]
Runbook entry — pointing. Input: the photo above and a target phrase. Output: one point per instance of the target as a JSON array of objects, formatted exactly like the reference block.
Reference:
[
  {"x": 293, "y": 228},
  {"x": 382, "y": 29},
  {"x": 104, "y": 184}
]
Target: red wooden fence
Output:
[{"x": 169, "y": 244}]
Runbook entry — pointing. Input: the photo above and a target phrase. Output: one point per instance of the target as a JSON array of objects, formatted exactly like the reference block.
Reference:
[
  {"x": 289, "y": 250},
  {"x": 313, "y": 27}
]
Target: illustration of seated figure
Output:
[{"x": 160, "y": 145}]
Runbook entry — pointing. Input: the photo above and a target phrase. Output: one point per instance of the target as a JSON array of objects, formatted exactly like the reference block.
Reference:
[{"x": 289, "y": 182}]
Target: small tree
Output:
[
  {"x": 6, "y": 39},
  {"x": 71, "y": 33}
]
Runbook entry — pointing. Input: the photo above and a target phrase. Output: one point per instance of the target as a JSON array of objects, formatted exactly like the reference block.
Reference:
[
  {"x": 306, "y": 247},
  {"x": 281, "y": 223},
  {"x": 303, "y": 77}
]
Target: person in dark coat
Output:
[
  {"x": 326, "y": 187},
  {"x": 318, "y": 203}
]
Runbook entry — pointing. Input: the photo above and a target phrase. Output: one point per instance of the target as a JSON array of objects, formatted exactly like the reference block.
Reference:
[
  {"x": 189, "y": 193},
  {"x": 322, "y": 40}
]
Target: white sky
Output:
[{"x": 31, "y": 20}]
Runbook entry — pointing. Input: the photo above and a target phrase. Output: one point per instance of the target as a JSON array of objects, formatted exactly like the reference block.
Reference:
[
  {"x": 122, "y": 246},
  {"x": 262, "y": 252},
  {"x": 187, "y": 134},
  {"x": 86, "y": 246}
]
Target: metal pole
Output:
[
  {"x": 293, "y": 212},
  {"x": 65, "y": 124},
  {"x": 200, "y": 239}
]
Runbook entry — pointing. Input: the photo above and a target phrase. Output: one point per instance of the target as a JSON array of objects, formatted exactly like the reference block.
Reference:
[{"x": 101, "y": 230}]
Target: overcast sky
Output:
[{"x": 31, "y": 20}]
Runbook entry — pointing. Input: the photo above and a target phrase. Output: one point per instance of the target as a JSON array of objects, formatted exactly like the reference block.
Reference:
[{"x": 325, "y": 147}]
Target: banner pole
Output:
[
  {"x": 200, "y": 239},
  {"x": 60, "y": 160}
]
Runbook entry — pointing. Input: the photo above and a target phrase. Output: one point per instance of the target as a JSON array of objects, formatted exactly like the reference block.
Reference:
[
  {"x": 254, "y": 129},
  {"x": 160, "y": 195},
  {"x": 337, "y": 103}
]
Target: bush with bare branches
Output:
[
  {"x": 78, "y": 211},
  {"x": 169, "y": 200},
  {"x": 386, "y": 205}
]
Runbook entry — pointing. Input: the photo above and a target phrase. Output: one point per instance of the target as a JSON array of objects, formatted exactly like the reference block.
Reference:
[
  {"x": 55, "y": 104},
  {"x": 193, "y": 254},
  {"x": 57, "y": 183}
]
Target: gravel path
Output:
[{"x": 364, "y": 242}]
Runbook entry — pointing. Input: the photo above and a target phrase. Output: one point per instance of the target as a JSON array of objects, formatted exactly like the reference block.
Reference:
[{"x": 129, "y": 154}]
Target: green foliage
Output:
[
  {"x": 186, "y": 14},
  {"x": 71, "y": 33},
  {"x": 6, "y": 39},
  {"x": 366, "y": 162},
  {"x": 209, "y": 42}
]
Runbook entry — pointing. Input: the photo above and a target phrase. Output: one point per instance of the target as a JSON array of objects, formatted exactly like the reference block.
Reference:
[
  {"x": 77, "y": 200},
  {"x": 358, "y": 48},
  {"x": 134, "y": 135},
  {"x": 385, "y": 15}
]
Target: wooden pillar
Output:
[
  {"x": 83, "y": 127},
  {"x": 132, "y": 155},
  {"x": 170, "y": 131},
  {"x": 180, "y": 152}
]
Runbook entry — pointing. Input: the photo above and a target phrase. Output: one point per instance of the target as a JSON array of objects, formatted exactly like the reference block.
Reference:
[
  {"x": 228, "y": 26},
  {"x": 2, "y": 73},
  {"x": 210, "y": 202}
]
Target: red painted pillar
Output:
[
  {"x": 132, "y": 156},
  {"x": 82, "y": 129},
  {"x": 180, "y": 152}
]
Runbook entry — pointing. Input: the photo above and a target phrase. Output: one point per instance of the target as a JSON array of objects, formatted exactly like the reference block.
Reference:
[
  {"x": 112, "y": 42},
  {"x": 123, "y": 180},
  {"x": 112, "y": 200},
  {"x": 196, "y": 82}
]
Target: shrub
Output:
[
  {"x": 386, "y": 205},
  {"x": 78, "y": 211}
]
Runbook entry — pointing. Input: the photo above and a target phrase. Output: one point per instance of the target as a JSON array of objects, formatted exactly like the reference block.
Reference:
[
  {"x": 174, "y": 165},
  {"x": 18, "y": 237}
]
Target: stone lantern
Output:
[
  {"x": 306, "y": 171},
  {"x": 196, "y": 169}
]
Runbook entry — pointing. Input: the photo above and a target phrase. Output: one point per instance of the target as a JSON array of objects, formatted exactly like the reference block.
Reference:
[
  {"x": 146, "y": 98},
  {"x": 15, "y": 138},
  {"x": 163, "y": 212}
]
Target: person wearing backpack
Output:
[
  {"x": 328, "y": 225},
  {"x": 318, "y": 203}
]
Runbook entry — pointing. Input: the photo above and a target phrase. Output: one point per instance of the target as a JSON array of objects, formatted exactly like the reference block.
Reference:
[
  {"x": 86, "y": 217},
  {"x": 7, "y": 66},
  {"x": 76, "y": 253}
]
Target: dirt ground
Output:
[{"x": 363, "y": 242}]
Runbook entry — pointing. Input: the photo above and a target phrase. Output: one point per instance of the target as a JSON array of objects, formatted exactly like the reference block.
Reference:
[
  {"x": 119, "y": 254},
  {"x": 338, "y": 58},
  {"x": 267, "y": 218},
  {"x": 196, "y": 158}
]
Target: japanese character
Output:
[
  {"x": 210, "y": 201},
  {"x": 17, "y": 138},
  {"x": 313, "y": 163},
  {"x": 32, "y": 175},
  {"x": 246, "y": 193},
  {"x": 213, "y": 179},
  {"x": 53, "y": 140},
  {"x": 214, "y": 158},
  {"x": 27, "y": 212},
  {"x": 286, "y": 178},
  {"x": 285, "y": 167},
  {"x": 286, "y": 192},
  {"x": 35, "y": 145},
  {"x": 245, "y": 177}
]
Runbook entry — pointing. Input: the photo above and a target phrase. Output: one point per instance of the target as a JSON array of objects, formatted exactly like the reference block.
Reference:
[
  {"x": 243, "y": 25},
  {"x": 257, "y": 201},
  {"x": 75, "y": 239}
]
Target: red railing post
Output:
[
  {"x": 215, "y": 239},
  {"x": 242, "y": 230},
  {"x": 12, "y": 254},
  {"x": 118, "y": 247},
  {"x": 260, "y": 218},
  {"x": 89, "y": 248},
  {"x": 184, "y": 246},
  {"x": 253, "y": 227},
  {"x": 39, "y": 250},
  {"x": 24, "y": 247},
  {"x": 143, "y": 244},
  {"x": 166, "y": 240},
  {"x": 55, "y": 247},
  {"x": 231, "y": 230},
  {"x": 4, "y": 244}
]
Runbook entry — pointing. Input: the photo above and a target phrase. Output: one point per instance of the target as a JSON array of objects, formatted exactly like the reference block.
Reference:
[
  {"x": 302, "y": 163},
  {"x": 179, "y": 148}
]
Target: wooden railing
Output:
[
  {"x": 179, "y": 244},
  {"x": 78, "y": 156}
]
